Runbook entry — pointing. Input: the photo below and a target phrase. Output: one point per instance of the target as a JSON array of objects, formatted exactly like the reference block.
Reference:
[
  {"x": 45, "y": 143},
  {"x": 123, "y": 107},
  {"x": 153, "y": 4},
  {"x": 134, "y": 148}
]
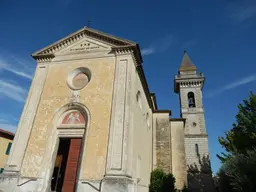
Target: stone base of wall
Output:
[
  {"x": 12, "y": 183},
  {"x": 118, "y": 184}
]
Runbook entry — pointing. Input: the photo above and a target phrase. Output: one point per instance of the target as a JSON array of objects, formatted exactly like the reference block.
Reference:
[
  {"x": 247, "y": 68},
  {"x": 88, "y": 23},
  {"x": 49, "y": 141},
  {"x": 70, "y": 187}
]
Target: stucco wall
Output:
[
  {"x": 163, "y": 142},
  {"x": 3, "y": 146},
  {"x": 178, "y": 153},
  {"x": 96, "y": 96},
  {"x": 142, "y": 134}
]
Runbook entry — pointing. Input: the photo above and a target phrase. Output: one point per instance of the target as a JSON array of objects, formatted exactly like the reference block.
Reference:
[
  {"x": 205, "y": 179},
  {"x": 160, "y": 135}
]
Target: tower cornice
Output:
[{"x": 185, "y": 81}]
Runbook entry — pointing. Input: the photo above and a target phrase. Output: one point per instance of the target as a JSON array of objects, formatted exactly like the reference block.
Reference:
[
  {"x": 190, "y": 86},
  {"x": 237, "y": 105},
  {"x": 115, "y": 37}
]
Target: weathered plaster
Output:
[
  {"x": 26, "y": 122},
  {"x": 163, "y": 142},
  {"x": 130, "y": 142},
  {"x": 141, "y": 135},
  {"x": 96, "y": 96},
  {"x": 178, "y": 154}
]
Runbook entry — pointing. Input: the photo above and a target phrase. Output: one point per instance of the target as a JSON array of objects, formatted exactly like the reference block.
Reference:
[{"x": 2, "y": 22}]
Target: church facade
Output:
[{"x": 91, "y": 124}]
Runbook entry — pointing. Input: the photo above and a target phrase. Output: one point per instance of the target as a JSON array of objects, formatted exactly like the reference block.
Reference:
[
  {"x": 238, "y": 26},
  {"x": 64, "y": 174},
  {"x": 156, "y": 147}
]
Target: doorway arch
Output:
[{"x": 71, "y": 121}]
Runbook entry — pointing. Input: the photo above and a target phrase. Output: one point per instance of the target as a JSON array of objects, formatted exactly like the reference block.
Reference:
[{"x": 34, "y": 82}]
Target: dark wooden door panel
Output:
[{"x": 72, "y": 165}]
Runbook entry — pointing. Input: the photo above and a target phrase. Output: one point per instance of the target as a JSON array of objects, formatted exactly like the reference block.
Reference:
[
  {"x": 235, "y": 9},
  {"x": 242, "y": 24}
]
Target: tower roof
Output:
[{"x": 186, "y": 63}]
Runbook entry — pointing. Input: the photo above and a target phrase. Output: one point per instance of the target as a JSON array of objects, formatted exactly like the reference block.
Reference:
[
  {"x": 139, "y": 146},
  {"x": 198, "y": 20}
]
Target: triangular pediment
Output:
[
  {"x": 85, "y": 45},
  {"x": 86, "y": 40}
]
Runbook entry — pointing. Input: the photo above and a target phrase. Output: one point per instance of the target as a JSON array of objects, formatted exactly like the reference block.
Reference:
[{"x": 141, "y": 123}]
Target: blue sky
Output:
[{"x": 219, "y": 36}]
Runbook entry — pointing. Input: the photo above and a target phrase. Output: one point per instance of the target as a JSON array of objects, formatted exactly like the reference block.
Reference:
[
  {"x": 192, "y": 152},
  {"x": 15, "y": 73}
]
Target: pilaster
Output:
[
  {"x": 119, "y": 145},
  {"x": 26, "y": 121}
]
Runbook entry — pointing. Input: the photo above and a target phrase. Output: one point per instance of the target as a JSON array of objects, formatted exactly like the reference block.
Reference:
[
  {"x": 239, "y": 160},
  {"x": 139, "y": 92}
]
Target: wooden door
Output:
[{"x": 69, "y": 183}]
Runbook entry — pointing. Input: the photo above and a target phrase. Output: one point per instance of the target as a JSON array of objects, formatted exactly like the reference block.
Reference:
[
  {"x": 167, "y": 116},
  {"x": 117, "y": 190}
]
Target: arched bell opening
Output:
[{"x": 191, "y": 100}]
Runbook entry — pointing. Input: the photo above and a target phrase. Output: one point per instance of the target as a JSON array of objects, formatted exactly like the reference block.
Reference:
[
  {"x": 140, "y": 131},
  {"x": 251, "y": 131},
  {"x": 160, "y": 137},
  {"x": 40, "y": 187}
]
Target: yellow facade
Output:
[
  {"x": 96, "y": 96},
  {"x": 4, "y": 142}
]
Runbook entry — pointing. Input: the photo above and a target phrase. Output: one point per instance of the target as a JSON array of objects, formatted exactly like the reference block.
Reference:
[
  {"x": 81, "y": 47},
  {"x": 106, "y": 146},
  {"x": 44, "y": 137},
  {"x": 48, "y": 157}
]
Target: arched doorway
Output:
[{"x": 64, "y": 177}]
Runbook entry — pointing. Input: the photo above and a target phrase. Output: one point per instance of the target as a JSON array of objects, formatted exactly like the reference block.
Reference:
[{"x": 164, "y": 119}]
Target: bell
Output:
[{"x": 191, "y": 102}]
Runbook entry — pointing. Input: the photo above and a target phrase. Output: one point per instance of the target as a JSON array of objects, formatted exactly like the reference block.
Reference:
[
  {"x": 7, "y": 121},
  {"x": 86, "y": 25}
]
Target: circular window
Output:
[{"x": 78, "y": 78}]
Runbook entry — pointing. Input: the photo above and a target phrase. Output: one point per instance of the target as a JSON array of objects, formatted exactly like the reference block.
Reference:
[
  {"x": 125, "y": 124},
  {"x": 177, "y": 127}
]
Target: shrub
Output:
[
  {"x": 185, "y": 189},
  {"x": 156, "y": 180},
  {"x": 161, "y": 182},
  {"x": 168, "y": 184}
]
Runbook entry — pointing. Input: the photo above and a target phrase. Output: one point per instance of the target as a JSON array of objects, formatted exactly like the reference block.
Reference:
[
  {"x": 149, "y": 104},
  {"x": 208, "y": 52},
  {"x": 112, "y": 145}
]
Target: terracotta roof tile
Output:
[{"x": 6, "y": 134}]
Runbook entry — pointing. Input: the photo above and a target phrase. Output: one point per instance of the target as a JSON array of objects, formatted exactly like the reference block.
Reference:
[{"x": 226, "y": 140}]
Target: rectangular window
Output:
[
  {"x": 8, "y": 149},
  {"x": 197, "y": 149},
  {"x": 1, "y": 170}
]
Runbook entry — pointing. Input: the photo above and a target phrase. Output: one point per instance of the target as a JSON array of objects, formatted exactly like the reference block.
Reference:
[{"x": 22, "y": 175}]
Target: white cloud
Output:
[
  {"x": 3, "y": 120},
  {"x": 233, "y": 85},
  {"x": 17, "y": 70},
  {"x": 8, "y": 122},
  {"x": 12, "y": 91},
  {"x": 242, "y": 11},
  {"x": 160, "y": 45},
  {"x": 8, "y": 127},
  {"x": 147, "y": 51}
]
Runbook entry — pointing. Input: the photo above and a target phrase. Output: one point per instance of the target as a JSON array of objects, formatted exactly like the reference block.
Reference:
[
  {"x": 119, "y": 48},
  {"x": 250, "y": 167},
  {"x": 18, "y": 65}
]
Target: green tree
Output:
[
  {"x": 224, "y": 181},
  {"x": 242, "y": 136},
  {"x": 238, "y": 173}
]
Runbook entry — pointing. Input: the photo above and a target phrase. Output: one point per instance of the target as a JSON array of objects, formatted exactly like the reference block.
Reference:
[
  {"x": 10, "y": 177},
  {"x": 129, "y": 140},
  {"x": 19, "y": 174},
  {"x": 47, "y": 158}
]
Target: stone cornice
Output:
[
  {"x": 43, "y": 57},
  {"x": 196, "y": 135},
  {"x": 134, "y": 49},
  {"x": 118, "y": 44},
  {"x": 181, "y": 81},
  {"x": 163, "y": 111},
  {"x": 178, "y": 119},
  {"x": 145, "y": 85}
]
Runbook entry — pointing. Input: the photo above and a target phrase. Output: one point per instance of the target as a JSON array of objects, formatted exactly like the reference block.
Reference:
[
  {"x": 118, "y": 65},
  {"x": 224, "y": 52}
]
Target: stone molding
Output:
[
  {"x": 53, "y": 141},
  {"x": 163, "y": 111},
  {"x": 119, "y": 117},
  {"x": 196, "y": 135},
  {"x": 120, "y": 133},
  {"x": 188, "y": 82},
  {"x": 192, "y": 110},
  {"x": 44, "y": 57},
  {"x": 117, "y": 44}
]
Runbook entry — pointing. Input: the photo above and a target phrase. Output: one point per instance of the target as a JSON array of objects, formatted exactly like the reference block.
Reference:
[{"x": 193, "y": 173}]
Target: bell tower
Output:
[{"x": 189, "y": 85}]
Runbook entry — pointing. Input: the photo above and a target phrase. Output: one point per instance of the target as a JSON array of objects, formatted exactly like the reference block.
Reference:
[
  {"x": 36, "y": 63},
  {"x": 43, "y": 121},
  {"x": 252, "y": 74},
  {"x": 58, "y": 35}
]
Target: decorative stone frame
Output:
[
  {"x": 59, "y": 131},
  {"x": 75, "y": 72}
]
